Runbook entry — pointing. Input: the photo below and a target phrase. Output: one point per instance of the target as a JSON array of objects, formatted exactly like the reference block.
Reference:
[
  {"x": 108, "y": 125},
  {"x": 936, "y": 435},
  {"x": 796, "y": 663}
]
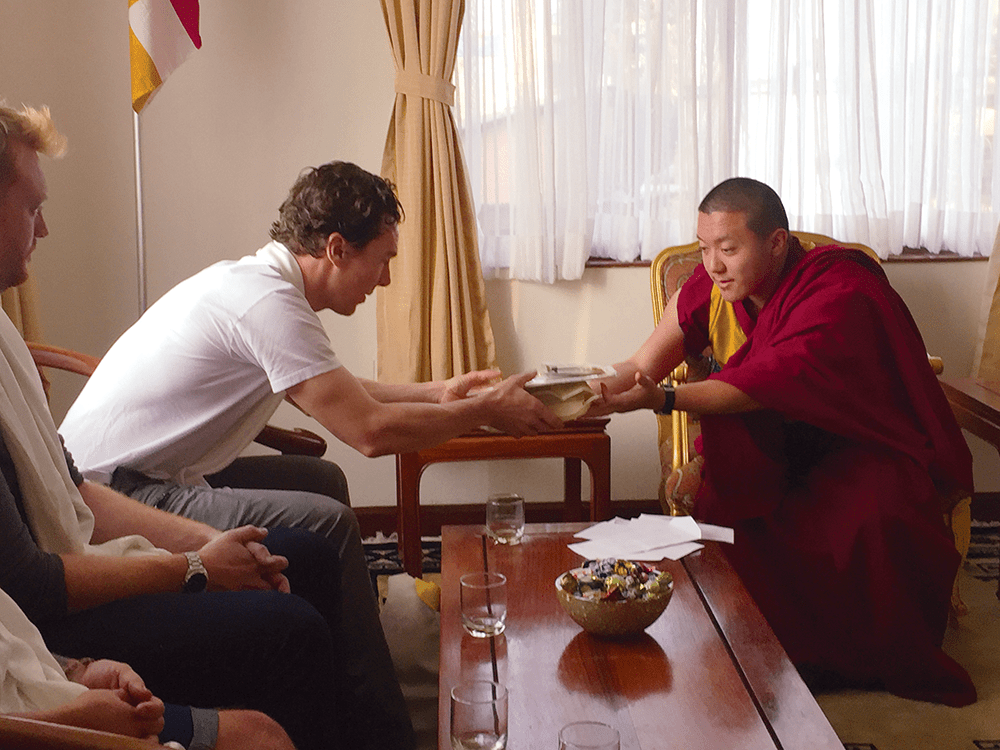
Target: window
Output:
[{"x": 594, "y": 127}]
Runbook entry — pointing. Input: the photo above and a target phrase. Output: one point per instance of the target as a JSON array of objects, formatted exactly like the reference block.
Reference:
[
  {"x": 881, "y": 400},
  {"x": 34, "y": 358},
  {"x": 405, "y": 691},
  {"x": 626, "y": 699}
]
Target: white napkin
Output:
[{"x": 648, "y": 538}]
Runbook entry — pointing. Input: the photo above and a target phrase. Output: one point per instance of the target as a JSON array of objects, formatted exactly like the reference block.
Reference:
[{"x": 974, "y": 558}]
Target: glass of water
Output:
[
  {"x": 505, "y": 518},
  {"x": 484, "y": 603},
  {"x": 588, "y": 735},
  {"x": 479, "y": 716}
]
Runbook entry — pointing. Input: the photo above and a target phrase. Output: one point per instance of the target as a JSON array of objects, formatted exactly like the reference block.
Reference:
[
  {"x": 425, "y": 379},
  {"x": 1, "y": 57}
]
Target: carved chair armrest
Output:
[
  {"x": 297, "y": 441},
  {"x": 18, "y": 733}
]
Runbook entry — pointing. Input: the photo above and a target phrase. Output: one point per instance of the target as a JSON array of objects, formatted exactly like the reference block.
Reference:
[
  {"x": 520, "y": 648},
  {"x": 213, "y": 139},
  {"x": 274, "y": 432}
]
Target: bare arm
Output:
[
  {"x": 235, "y": 559},
  {"x": 92, "y": 580},
  {"x": 435, "y": 392},
  {"x": 340, "y": 402},
  {"x": 117, "y": 515},
  {"x": 657, "y": 357},
  {"x": 704, "y": 397},
  {"x": 635, "y": 385},
  {"x": 391, "y": 393}
]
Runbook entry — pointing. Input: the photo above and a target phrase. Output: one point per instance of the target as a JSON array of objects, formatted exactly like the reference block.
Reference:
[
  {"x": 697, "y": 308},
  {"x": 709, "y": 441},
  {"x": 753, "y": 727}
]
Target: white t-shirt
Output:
[{"x": 190, "y": 385}]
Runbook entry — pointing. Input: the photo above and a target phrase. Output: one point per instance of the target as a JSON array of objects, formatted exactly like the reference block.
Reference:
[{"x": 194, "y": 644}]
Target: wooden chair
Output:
[
  {"x": 298, "y": 441},
  {"x": 17, "y": 733}
]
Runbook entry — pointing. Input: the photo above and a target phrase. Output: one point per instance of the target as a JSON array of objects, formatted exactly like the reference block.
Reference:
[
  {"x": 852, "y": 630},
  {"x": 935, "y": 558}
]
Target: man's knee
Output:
[
  {"x": 332, "y": 478},
  {"x": 239, "y": 730},
  {"x": 315, "y": 546}
]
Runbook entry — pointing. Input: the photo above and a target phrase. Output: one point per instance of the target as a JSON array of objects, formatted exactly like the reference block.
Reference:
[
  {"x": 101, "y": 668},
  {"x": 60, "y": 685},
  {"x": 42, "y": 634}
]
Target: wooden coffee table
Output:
[{"x": 708, "y": 673}]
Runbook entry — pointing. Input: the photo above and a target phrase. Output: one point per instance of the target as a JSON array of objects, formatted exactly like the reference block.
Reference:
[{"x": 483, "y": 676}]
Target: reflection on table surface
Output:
[{"x": 707, "y": 671}]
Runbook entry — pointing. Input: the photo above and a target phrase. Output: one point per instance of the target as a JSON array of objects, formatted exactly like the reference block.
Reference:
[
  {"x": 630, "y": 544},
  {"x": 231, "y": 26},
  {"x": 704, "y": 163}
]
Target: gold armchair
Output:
[
  {"x": 669, "y": 270},
  {"x": 680, "y": 474}
]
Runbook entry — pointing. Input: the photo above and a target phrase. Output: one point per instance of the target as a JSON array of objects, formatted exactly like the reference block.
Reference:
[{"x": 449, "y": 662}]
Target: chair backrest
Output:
[
  {"x": 672, "y": 267},
  {"x": 668, "y": 272}
]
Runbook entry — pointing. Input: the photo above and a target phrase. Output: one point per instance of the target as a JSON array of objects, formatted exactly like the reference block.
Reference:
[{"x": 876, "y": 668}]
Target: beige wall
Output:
[{"x": 278, "y": 86}]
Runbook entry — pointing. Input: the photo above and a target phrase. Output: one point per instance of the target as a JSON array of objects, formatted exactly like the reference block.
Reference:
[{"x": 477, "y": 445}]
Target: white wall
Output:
[{"x": 276, "y": 87}]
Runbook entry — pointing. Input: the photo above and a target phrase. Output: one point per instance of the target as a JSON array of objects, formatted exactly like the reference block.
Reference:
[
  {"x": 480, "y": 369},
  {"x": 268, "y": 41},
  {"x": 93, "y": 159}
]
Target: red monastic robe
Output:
[{"x": 835, "y": 488}]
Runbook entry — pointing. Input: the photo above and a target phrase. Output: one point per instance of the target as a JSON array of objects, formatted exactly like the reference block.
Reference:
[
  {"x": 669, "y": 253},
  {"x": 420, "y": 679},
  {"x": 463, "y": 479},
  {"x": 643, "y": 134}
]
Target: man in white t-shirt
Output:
[
  {"x": 186, "y": 389},
  {"x": 208, "y": 617}
]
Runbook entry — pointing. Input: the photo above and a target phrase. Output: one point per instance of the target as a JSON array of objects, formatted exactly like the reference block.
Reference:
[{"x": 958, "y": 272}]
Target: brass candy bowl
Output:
[{"x": 608, "y": 618}]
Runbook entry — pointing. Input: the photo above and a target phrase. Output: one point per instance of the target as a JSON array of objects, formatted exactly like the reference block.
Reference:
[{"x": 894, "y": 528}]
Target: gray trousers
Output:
[{"x": 306, "y": 493}]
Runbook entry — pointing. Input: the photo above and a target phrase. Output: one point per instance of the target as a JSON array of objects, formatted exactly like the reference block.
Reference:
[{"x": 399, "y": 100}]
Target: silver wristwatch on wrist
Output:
[{"x": 196, "y": 578}]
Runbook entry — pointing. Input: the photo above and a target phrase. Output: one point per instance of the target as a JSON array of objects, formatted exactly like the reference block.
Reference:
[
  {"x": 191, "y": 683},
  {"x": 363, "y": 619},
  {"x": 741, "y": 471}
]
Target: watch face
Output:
[{"x": 196, "y": 583}]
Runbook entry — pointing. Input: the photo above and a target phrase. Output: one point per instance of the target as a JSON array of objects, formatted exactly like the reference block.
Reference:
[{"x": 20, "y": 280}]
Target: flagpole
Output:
[{"x": 140, "y": 233}]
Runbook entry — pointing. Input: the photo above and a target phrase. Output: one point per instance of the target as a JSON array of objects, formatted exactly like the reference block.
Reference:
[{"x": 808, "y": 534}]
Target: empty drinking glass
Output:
[
  {"x": 479, "y": 716},
  {"x": 484, "y": 603},
  {"x": 588, "y": 735},
  {"x": 505, "y": 518}
]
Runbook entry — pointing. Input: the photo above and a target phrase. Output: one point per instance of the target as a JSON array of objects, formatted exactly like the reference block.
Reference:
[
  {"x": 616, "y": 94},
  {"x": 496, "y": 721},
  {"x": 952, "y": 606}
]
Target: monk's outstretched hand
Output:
[{"x": 645, "y": 394}]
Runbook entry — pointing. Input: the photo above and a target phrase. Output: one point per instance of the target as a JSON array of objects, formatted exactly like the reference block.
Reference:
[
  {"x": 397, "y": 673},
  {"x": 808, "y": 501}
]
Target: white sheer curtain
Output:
[{"x": 594, "y": 127}]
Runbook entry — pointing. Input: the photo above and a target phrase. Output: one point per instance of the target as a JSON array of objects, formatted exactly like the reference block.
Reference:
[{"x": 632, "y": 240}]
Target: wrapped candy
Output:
[{"x": 611, "y": 579}]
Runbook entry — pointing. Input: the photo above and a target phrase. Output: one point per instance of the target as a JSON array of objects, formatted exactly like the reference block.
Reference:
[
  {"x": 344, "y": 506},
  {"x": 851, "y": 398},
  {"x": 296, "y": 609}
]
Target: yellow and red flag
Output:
[{"x": 162, "y": 33}]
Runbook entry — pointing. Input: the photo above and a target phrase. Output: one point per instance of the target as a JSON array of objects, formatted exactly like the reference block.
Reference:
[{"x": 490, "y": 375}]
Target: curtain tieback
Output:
[{"x": 425, "y": 86}]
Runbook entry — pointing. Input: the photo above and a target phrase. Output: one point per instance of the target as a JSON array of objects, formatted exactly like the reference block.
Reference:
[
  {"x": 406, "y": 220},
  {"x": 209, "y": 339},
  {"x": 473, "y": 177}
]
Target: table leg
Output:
[
  {"x": 409, "y": 467},
  {"x": 599, "y": 462},
  {"x": 572, "y": 490}
]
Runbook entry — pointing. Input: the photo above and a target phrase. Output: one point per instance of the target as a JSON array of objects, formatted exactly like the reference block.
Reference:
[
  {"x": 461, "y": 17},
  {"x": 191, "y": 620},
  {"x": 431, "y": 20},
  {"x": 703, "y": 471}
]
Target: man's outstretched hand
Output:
[
  {"x": 515, "y": 411},
  {"x": 469, "y": 384}
]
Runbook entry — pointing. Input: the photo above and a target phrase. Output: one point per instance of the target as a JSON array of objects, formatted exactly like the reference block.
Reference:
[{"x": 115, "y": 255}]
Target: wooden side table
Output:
[
  {"x": 583, "y": 441},
  {"x": 976, "y": 404}
]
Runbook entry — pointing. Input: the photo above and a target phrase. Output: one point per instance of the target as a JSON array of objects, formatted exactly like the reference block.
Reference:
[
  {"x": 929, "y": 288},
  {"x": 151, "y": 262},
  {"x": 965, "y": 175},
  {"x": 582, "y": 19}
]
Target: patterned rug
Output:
[
  {"x": 382, "y": 555},
  {"x": 983, "y": 561}
]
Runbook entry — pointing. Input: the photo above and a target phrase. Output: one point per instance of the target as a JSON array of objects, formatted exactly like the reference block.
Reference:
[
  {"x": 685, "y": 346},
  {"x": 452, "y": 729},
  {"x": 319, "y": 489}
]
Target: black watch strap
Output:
[{"x": 669, "y": 396}]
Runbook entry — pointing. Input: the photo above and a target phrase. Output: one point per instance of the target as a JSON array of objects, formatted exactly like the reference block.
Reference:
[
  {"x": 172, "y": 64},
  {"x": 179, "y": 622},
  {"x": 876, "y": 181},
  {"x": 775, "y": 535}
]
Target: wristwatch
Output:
[
  {"x": 669, "y": 395},
  {"x": 196, "y": 578}
]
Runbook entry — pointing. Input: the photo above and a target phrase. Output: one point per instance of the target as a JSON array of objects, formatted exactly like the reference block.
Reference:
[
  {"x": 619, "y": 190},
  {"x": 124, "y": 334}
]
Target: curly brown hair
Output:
[{"x": 335, "y": 197}]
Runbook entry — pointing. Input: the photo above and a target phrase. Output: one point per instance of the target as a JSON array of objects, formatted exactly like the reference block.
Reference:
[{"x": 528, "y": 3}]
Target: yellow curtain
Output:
[
  {"x": 986, "y": 363},
  {"x": 432, "y": 320},
  {"x": 21, "y": 305}
]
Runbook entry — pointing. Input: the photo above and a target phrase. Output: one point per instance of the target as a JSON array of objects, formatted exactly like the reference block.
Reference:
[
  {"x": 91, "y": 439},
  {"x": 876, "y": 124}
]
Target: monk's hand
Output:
[
  {"x": 645, "y": 394},
  {"x": 233, "y": 566},
  {"x": 469, "y": 384}
]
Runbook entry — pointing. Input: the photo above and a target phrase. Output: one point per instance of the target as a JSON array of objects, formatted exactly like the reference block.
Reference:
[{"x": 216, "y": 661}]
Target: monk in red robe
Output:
[{"x": 829, "y": 447}]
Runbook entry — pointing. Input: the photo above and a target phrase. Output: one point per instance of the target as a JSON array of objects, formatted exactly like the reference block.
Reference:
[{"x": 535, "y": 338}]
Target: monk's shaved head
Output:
[{"x": 761, "y": 205}]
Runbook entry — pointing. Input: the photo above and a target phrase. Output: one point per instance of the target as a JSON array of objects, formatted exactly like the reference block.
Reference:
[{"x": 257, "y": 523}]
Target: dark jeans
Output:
[
  {"x": 249, "y": 649},
  {"x": 305, "y": 493}
]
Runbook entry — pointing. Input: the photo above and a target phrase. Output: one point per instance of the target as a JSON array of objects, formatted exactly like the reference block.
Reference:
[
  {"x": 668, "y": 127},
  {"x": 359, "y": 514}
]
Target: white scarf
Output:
[
  {"x": 58, "y": 517},
  {"x": 30, "y": 678}
]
